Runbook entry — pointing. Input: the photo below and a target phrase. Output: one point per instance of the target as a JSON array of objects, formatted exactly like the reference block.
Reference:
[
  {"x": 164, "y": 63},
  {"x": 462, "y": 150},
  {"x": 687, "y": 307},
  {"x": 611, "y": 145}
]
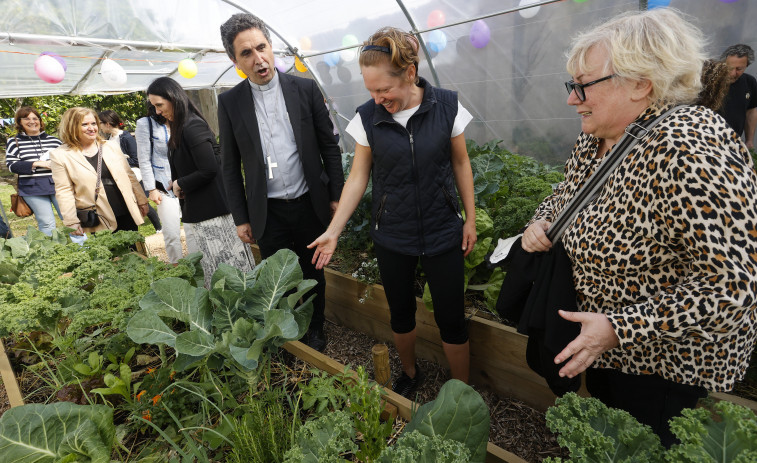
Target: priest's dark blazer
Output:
[{"x": 241, "y": 149}]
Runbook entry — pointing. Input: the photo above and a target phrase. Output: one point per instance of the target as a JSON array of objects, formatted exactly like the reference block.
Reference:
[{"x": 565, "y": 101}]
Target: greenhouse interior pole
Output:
[
  {"x": 421, "y": 42},
  {"x": 74, "y": 90},
  {"x": 295, "y": 52}
]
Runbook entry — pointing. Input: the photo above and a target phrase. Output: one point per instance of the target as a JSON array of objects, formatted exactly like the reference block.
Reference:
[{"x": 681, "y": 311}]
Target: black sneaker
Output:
[
  {"x": 406, "y": 386},
  {"x": 316, "y": 339}
]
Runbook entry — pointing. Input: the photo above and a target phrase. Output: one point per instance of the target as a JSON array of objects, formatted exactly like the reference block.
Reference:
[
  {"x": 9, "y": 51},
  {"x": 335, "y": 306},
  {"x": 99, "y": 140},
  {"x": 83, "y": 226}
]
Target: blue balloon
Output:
[
  {"x": 437, "y": 41},
  {"x": 332, "y": 59},
  {"x": 657, "y": 4}
]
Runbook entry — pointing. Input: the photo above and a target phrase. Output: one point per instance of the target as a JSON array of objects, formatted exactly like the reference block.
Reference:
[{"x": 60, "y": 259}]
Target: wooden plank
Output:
[
  {"x": 494, "y": 454},
  {"x": 750, "y": 404},
  {"x": 9, "y": 379}
]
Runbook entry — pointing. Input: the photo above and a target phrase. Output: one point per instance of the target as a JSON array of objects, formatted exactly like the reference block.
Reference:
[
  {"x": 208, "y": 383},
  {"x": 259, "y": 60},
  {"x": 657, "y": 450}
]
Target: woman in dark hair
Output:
[
  {"x": 112, "y": 125},
  {"x": 27, "y": 155},
  {"x": 195, "y": 175},
  {"x": 715, "y": 84},
  {"x": 152, "y": 136}
]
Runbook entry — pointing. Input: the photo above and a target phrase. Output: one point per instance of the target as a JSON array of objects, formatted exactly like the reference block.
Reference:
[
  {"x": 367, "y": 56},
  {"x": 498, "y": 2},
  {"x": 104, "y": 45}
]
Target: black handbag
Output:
[
  {"x": 539, "y": 284},
  {"x": 88, "y": 217}
]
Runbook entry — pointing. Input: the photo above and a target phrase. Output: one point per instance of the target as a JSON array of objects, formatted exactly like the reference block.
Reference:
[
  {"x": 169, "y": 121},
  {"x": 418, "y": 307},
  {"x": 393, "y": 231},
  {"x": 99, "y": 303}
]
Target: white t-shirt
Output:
[{"x": 357, "y": 131}]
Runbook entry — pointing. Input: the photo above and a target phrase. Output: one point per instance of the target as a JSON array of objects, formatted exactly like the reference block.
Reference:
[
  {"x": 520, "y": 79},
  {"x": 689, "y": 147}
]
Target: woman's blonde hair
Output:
[
  {"x": 69, "y": 130},
  {"x": 397, "y": 47},
  {"x": 656, "y": 45}
]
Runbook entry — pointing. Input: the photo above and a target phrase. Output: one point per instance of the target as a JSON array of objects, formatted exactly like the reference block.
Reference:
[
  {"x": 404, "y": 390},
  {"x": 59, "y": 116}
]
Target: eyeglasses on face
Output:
[{"x": 579, "y": 88}]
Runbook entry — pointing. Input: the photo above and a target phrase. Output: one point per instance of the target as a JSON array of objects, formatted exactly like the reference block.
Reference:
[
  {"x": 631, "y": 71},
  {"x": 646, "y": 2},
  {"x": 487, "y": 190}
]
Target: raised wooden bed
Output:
[
  {"x": 494, "y": 454},
  {"x": 498, "y": 352}
]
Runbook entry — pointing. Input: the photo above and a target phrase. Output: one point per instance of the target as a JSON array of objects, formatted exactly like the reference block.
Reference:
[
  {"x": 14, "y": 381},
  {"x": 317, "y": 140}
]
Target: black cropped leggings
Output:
[{"x": 444, "y": 273}]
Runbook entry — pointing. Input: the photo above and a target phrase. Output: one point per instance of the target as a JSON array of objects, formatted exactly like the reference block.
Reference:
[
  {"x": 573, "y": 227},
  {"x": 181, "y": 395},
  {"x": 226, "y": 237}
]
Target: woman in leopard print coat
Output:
[{"x": 665, "y": 258}]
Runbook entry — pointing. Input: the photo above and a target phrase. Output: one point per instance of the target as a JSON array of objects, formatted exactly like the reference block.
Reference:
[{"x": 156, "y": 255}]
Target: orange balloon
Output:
[{"x": 300, "y": 65}]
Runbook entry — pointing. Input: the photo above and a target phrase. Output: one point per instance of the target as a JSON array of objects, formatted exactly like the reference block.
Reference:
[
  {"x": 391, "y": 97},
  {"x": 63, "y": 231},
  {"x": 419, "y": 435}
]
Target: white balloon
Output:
[
  {"x": 112, "y": 73},
  {"x": 529, "y": 12}
]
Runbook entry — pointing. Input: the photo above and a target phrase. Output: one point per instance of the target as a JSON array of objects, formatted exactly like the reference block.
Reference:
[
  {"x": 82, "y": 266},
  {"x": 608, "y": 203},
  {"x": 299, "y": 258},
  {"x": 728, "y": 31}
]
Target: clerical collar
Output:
[{"x": 270, "y": 85}]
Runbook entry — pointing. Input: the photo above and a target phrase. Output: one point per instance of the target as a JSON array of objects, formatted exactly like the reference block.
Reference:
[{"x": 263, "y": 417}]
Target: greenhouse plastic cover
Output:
[{"x": 512, "y": 83}]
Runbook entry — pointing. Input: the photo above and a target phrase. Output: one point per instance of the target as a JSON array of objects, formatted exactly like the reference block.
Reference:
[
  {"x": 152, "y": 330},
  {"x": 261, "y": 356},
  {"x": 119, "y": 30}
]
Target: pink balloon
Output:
[
  {"x": 435, "y": 19},
  {"x": 280, "y": 64},
  {"x": 49, "y": 69},
  {"x": 480, "y": 34},
  {"x": 58, "y": 58}
]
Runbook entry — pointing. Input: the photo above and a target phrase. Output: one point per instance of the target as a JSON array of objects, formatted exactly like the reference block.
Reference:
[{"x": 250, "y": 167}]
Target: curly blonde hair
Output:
[
  {"x": 69, "y": 130},
  {"x": 402, "y": 46},
  {"x": 656, "y": 45}
]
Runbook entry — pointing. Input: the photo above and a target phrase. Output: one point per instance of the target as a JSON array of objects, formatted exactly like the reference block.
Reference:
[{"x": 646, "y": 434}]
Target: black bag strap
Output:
[
  {"x": 633, "y": 134},
  {"x": 149, "y": 125}
]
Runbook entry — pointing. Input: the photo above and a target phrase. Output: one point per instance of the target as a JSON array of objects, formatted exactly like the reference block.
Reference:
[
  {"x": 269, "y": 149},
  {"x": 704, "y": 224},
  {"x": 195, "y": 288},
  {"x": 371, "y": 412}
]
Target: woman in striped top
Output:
[{"x": 27, "y": 155}]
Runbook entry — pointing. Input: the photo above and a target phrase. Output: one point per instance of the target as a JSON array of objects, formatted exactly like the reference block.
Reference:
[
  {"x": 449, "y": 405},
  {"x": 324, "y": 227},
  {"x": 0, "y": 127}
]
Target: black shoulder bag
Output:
[
  {"x": 539, "y": 284},
  {"x": 88, "y": 217}
]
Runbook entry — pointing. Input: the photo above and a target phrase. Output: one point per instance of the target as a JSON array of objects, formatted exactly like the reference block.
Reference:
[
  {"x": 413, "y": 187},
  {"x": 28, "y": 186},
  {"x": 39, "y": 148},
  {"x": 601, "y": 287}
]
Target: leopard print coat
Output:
[{"x": 668, "y": 250}]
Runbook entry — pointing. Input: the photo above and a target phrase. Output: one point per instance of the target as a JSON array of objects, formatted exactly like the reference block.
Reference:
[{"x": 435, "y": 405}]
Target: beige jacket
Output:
[{"x": 75, "y": 181}]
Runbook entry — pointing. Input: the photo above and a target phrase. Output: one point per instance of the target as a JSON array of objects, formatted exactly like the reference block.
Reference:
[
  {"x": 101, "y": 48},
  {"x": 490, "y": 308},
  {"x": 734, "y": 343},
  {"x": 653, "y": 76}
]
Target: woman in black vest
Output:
[
  {"x": 410, "y": 142},
  {"x": 196, "y": 180}
]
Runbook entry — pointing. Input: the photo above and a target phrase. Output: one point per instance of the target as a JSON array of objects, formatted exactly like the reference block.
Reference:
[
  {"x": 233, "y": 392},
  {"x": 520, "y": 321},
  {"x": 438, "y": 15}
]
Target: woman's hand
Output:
[
  {"x": 469, "y": 236},
  {"x": 177, "y": 190},
  {"x": 42, "y": 164},
  {"x": 155, "y": 196},
  {"x": 324, "y": 245},
  {"x": 597, "y": 336},
  {"x": 144, "y": 209},
  {"x": 535, "y": 237},
  {"x": 78, "y": 230}
]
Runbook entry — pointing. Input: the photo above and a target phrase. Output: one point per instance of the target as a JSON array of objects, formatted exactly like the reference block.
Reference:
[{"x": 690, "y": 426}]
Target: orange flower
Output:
[
  {"x": 156, "y": 399},
  {"x": 173, "y": 373},
  {"x": 150, "y": 370},
  {"x": 146, "y": 415},
  {"x": 139, "y": 396}
]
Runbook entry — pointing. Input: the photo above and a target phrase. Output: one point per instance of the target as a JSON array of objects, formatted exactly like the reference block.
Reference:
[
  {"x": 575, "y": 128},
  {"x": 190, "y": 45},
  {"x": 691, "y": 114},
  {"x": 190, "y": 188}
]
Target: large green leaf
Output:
[
  {"x": 277, "y": 275},
  {"x": 226, "y": 311},
  {"x": 458, "y": 413},
  {"x": 291, "y": 301},
  {"x": 170, "y": 297},
  {"x": 54, "y": 432},
  {"x": 195, "y": 343},
  {"x": 147, "y": 327},
  {"x": 19, "y": 247}
]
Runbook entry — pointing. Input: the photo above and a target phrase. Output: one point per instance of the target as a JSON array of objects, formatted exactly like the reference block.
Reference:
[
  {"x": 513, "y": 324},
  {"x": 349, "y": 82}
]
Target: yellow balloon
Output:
[
  {"x": 299, "y": 64},
  {"x": 240, "y": 73},
  {"x": 187, "y": 68}
]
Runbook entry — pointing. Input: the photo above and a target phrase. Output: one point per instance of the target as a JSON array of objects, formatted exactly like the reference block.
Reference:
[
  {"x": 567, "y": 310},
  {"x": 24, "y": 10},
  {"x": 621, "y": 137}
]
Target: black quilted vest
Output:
[{"x": 415, "y": 207}]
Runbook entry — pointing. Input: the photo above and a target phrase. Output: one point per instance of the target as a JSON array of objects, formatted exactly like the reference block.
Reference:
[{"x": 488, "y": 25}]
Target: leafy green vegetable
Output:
[
  {"x": 729, "y": 436},
  {"x": 57, "y": 432},
  {"x": 458, "y": 413},
  {"x": 323, "y": 440},
  {"x": 414, "y": 447},
  {"x": 240, "y": 318},
  {"x": 593, "y": 432}
]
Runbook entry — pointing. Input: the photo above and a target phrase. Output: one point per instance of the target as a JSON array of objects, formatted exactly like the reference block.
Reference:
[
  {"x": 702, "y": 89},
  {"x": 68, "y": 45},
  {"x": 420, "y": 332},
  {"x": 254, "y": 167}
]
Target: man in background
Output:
[{"x": 740, "y": 107}]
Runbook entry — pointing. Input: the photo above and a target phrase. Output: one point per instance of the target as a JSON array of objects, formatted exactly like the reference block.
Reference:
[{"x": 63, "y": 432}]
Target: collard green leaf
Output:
[
  {"x": 458, "y": 413},
  {"x": 184, "y": 361},
  {"x": 291, "y": 301},
  {"x": 234, "y": 279},
  {"x": 19, "y": 247},
  {"x": 54, "y": 432},
  {"x": 226, "y": 311},
  {"x": 147, "y": 327},
  {"x": 277, "y": 275},
  {"x": 302, "y": 316},
  {"x": 195, "y": 343},
  {"x": 170, "y": 297}
]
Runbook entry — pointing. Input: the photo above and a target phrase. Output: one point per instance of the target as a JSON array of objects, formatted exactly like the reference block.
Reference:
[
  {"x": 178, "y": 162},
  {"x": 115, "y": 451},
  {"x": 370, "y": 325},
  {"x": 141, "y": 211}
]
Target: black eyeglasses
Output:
[{"x": 579, "y": 88}]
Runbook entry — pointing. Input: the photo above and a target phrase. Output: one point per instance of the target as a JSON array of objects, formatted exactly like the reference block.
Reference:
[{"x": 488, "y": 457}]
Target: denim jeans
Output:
[{"x": 42, "y": 206}]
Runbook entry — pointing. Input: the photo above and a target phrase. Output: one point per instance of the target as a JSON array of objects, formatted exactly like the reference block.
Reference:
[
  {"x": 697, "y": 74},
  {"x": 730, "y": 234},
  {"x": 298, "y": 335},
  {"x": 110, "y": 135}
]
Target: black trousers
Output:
[
  {"x": 446, "y": 280},
  {"x": 651, "y": 399},
  {"x": 292, "y": 224}
]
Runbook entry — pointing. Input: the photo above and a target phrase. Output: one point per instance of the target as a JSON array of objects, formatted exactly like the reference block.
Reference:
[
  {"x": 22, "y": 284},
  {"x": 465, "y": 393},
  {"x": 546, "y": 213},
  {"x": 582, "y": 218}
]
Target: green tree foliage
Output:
[{"x": 130, "y": 106}]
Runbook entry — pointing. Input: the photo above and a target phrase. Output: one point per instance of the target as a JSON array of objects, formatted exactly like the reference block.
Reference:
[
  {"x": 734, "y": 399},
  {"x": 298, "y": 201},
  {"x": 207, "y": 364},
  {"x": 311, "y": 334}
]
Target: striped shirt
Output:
[{"x": 21, "y": 152}]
